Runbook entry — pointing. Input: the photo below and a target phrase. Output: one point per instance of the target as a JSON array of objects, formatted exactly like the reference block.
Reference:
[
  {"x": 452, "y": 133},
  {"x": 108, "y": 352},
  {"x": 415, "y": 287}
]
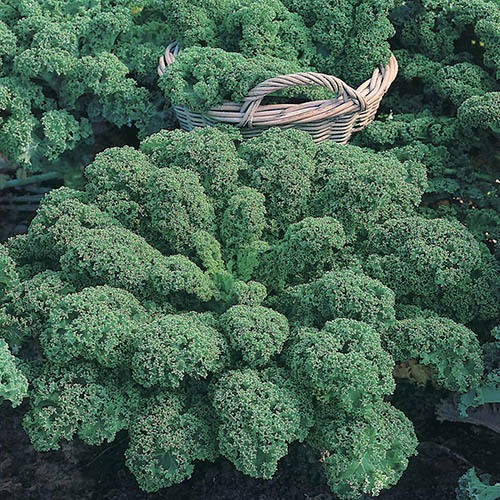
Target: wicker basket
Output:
[{"x": 333, "y": 119}]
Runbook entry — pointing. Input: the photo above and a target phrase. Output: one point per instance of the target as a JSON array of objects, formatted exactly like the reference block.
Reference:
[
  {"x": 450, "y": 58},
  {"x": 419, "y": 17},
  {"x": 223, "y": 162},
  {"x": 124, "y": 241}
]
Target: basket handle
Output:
[
  {"x": 168, "y": 58},
  {"x": 254, "y": 98}
]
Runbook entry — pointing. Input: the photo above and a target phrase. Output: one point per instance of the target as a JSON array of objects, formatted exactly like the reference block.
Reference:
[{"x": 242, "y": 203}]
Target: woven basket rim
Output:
[{"x": 251, "y": 112}]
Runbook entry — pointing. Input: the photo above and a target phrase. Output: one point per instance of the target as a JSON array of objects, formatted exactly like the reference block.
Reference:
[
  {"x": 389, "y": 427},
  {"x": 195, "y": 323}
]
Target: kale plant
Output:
[
  {"x": 218, "y": 298},
  {"x": 444, "y": 108},
  {"x": 70, "y": 71}
]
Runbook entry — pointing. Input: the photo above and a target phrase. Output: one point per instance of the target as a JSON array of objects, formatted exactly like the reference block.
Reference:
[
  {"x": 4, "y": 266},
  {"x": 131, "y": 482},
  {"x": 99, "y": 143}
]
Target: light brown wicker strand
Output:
[{"x": 333, "y": 119}]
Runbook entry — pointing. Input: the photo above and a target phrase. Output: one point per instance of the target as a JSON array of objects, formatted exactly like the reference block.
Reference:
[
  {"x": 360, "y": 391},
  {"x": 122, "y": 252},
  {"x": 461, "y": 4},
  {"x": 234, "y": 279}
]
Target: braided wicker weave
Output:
[{"x": 333, "y": 119}]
